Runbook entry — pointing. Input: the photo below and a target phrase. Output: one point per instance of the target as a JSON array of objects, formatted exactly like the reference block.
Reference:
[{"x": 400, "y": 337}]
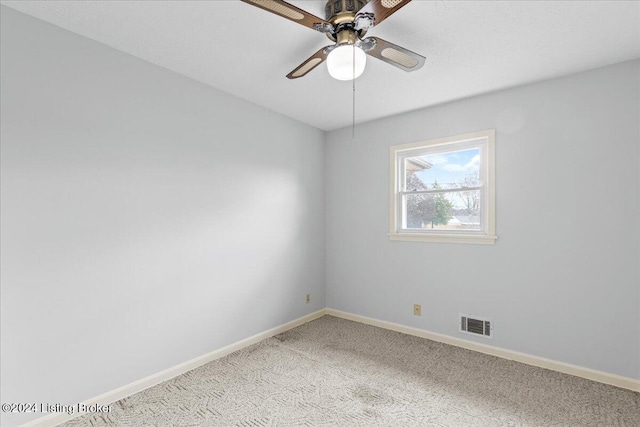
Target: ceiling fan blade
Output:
[
  {"x": 382, "y": 9},
  {"x": 314, "y": 60},
  {"x": 295, "y": 14},
  {"x": 393, "y": 54}
]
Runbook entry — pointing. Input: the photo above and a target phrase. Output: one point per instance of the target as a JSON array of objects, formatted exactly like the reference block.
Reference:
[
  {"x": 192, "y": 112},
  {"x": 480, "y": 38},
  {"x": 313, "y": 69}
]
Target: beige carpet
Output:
[{"x": 333, "y": 372}]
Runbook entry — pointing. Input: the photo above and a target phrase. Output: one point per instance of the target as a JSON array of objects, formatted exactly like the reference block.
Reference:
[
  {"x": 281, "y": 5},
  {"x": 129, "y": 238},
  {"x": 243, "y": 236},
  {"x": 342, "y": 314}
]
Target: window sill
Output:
[{"x": 476, "y": 239}]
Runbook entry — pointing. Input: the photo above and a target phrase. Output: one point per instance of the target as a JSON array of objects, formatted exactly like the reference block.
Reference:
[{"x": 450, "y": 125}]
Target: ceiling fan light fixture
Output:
[{"x": 340, "y": 62}]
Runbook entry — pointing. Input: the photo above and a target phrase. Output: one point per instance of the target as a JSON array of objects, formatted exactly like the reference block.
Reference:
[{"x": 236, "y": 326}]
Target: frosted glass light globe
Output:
[{"x": 340, "y": 62}]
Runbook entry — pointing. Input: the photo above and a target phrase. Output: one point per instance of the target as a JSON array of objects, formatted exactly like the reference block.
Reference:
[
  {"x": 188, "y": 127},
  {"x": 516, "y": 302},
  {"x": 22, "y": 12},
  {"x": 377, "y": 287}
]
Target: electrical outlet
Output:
[
  {"x": 417, "y": 310},
  {"x": 308, "y": 298}
]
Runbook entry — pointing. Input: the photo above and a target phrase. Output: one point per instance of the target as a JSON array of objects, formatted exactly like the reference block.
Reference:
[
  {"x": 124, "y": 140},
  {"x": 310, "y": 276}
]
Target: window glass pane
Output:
[
  {"x": 458, "y": 210},
  {"x": 454, "y": 169}
]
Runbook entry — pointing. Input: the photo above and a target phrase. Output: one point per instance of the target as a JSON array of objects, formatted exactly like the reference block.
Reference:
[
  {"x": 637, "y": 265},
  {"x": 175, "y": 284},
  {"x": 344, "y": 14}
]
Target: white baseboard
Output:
[
  {"x": 167, "y": 374},
  {"x": 541, "y": 362}
]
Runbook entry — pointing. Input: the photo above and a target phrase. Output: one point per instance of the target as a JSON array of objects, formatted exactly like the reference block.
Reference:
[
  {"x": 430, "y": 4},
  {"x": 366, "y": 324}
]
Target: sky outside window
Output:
[{"x": 451, "y": 169}]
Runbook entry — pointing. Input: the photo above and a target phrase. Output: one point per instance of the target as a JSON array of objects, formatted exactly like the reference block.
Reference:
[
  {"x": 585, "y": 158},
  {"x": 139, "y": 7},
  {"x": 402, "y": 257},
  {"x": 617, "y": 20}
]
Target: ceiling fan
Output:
[{"x": 346, "y": 23}]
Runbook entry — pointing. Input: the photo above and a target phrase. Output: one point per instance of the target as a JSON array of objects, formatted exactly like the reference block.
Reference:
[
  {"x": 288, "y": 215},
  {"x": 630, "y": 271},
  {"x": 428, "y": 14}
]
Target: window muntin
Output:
[{"x": 444, "y": 188}]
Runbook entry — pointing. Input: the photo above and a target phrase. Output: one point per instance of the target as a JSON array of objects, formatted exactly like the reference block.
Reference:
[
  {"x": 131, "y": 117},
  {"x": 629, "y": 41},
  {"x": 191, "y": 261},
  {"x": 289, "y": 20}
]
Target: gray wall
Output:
[
  {"x": 562, "y": 281},
  {"x": 146, "y": 219}
]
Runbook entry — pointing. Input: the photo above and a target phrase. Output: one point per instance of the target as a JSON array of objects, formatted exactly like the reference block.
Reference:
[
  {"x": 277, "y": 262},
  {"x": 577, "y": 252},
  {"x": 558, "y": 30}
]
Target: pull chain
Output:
[{"x": 353, "y": 122}]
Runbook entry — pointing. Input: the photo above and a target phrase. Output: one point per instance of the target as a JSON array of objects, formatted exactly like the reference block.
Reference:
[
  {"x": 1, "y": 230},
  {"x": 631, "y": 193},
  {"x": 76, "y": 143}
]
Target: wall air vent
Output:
[{"x": 475, "y": 325}]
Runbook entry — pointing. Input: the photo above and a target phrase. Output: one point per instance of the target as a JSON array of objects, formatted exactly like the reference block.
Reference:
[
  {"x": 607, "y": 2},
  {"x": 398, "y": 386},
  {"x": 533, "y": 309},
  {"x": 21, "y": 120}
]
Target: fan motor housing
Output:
[
  {"x": 338, "y": 11},
  {"x": 343, "y": 12}
]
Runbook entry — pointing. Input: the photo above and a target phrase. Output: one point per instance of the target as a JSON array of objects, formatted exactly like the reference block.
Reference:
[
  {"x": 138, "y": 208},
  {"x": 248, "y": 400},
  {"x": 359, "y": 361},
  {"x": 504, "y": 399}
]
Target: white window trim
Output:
[{"x": 488, "y": 236}]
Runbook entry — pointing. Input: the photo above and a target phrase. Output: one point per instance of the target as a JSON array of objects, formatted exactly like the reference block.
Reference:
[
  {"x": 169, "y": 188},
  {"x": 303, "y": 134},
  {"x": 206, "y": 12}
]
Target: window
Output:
[{"x": 443, "y": 190}]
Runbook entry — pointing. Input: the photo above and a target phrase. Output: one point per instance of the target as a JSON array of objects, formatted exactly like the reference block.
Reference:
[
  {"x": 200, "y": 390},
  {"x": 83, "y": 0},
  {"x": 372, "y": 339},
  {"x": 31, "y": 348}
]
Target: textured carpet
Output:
[{"x": 333, "y": 372}]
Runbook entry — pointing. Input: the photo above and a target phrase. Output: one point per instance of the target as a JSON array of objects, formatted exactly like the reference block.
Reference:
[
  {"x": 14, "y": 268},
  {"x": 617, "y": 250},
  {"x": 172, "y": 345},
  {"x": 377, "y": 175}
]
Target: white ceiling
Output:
[{"x": 471, "y": 48}]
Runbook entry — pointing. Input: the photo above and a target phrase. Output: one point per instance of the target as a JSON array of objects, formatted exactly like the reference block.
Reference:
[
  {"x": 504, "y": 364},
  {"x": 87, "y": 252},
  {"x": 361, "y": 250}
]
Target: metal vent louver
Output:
[{"x": 475, "y": 326}]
